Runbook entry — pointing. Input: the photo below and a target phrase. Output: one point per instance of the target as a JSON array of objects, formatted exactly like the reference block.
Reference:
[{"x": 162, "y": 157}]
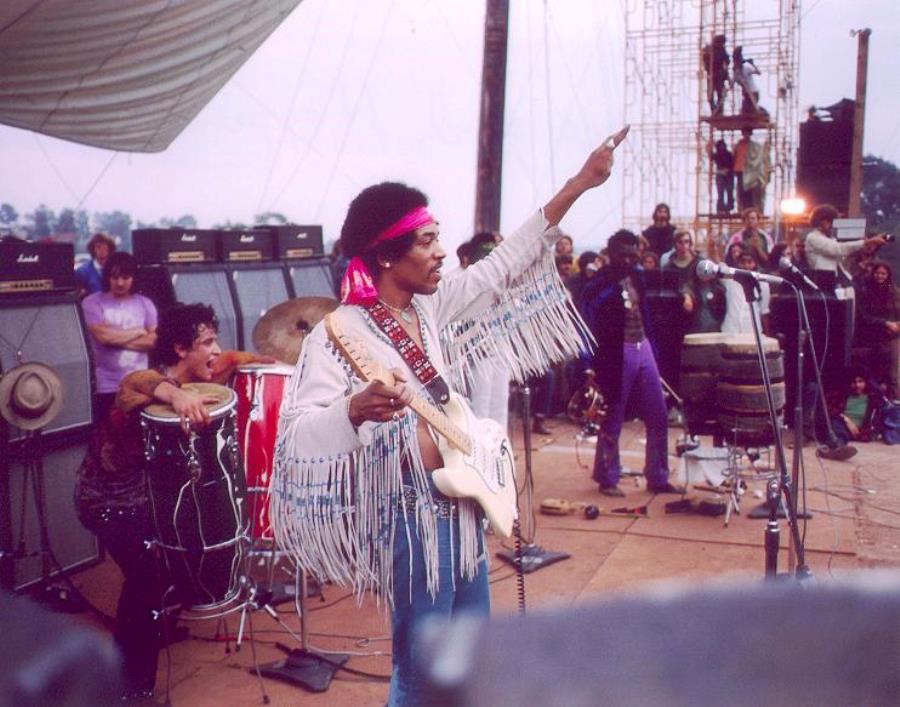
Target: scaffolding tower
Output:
[{"x": 674, "y": 124}]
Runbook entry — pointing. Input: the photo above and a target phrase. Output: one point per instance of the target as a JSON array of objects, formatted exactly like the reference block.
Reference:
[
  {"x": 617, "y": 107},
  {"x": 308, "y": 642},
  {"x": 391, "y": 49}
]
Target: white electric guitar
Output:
[{"x": 478, "y": 462}]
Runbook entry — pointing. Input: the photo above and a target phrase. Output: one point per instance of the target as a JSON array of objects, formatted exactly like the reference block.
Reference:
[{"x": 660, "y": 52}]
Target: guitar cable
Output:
[{"x": 520, "y": 573}]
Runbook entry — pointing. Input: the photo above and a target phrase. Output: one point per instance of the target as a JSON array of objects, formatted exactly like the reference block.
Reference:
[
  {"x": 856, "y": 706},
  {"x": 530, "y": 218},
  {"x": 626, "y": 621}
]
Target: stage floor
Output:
[{"x": 854, "y": 527}]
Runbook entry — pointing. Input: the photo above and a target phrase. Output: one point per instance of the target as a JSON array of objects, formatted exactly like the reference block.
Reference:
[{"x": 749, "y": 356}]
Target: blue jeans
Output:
[
  {"x": 413, "y": 603},
  {"x": 640, "y": 378}
]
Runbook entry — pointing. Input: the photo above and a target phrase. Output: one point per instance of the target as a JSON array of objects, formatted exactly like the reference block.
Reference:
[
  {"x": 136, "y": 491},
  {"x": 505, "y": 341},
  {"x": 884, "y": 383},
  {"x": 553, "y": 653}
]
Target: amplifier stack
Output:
[{"x": 241, "y": 273}]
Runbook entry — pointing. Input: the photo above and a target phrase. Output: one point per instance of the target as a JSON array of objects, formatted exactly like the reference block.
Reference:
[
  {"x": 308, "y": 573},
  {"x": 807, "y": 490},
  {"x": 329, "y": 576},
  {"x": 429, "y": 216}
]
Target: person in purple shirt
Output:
[{"x": 122, "y": 327}]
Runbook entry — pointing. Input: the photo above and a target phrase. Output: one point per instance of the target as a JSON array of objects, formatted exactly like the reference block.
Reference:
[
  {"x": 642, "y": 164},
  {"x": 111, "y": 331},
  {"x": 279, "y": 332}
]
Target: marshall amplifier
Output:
[
  {"x": 244, "y": 246},
  {"x": 155, "y": 246},
  {"x": 297, "y": 242},
  {"x": 35, "y": 267}
]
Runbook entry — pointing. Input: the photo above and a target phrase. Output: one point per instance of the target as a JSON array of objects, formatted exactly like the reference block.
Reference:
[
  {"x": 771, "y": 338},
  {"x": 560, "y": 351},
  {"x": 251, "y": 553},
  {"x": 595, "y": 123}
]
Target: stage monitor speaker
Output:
[
  {"x": 311, "y": 278},
  {"x": 49, "y": 660},
  {"x": 49, "y": 329},
  {"x": 756, "y": 644},
  {"x": 73, "y": 546},
  {"x": 258, "y": 288}
]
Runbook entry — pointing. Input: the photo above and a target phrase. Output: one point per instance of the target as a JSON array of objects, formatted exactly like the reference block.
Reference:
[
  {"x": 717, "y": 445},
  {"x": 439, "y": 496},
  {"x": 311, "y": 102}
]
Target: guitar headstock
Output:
[{"x": 356, "y": 353}]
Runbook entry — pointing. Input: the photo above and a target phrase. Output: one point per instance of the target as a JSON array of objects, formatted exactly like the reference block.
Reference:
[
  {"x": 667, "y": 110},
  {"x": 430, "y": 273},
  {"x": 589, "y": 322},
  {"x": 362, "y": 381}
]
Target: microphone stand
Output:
[
  {"x": 786, "y": 491},
  {"x": 529, "y": 556}
]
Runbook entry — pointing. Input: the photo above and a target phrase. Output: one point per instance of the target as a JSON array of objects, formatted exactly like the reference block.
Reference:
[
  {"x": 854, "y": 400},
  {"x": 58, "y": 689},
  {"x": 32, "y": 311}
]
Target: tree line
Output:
[
  {"x": 880, "y": 205},
  {"x": 77, "y": 225}
]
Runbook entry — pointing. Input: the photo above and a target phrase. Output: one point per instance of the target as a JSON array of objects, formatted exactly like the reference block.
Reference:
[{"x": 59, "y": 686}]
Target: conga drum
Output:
[
  {"x": 741, "y": 395},
  {"x": 196, "y": 487},
  {"x": 701, "y": 364},
  {"x": 259, "y": 390}
]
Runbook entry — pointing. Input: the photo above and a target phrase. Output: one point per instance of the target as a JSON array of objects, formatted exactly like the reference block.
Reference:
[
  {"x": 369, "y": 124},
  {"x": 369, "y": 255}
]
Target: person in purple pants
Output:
[{"x": 615, "y": 308}]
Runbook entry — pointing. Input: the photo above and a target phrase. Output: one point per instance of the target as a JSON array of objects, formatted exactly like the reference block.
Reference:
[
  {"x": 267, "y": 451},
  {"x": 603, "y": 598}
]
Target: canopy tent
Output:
[{"x": 124, "y": 75}]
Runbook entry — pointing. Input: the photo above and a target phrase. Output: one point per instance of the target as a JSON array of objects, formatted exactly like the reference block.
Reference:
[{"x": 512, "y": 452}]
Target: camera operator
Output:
[{"x": 823, "y": 252}]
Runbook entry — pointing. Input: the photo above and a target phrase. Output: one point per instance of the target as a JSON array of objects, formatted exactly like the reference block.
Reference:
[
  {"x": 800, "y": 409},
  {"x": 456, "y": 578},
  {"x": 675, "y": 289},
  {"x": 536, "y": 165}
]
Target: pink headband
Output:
[{"x": 358, "y": 285}]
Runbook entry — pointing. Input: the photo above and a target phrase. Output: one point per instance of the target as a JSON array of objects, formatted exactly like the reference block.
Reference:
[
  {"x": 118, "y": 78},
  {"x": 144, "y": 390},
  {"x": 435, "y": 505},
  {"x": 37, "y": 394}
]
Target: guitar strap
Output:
[{"x": 413, "y": 355}]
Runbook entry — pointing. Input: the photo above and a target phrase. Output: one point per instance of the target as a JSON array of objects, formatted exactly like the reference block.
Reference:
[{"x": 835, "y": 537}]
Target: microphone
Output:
[
  {"x": 785, "y": 265},
  {"x": 708, "y": 270}
]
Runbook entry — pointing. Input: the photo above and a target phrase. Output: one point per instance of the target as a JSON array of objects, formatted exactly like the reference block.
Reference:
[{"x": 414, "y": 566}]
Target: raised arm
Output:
[{"x": 593, "y": 173}]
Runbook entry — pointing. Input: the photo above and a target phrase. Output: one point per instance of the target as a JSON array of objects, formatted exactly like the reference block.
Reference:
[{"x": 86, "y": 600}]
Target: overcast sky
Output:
[{"x": 345, "y": 94}]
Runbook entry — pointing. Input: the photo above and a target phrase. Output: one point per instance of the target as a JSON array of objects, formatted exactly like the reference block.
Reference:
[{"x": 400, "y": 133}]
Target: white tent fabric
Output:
[{"x": 123, "y": 74}]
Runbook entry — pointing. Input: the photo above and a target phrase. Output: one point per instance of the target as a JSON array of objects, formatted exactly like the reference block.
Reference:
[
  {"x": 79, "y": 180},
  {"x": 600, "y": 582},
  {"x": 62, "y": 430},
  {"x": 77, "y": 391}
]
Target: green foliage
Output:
[
  {"x": 66, "y": 222},
  {"x": 270, "y": 218},
  {"x": 186, "y": 221},
  {"x": 116, "y": 224},
  {"x": 880, "y": 198},
  {"x": 40, "y": 223},
  {"x": 8, "y": 215}
]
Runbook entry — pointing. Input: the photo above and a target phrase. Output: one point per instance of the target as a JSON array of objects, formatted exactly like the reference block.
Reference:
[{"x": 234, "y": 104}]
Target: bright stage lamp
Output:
[{"x": 794, "y": 206}]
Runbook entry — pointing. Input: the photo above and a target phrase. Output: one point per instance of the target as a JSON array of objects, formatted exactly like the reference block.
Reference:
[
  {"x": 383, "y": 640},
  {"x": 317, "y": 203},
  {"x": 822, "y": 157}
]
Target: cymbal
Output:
[{"x": 279, "y": 332}]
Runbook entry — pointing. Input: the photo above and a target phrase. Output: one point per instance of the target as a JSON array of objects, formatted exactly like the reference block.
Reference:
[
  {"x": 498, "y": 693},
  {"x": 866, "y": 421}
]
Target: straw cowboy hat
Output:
[{"x": 31, "y": 396}]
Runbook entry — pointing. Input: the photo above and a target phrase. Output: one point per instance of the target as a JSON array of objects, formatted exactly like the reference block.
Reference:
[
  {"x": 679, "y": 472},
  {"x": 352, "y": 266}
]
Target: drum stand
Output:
[{"x": 785, "y": 490}]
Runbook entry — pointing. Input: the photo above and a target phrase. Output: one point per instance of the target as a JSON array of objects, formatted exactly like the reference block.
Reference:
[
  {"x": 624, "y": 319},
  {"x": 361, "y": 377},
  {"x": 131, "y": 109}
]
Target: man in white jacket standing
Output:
[{"x": 353, "y": 500}]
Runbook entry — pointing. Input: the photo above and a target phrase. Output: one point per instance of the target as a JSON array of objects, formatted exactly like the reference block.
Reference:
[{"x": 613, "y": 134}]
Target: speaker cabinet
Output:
[
  {"x": 311, "y": 278},
  {"x": 73, "y": 546},
  {"x": 295, "y": 242},
  {"x": 831, "y": 322},
  {"x": 257, "y": 289},
  {"x": 823, "y": 168},
  {"x": 49, "y": 329},
  {"x": 174, "y": 245},
  {"x": 204, "y": 283}
]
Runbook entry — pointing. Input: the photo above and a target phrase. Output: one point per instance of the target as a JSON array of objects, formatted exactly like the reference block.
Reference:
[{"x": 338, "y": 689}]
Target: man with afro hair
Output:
[{"x": 352, "y": 498}]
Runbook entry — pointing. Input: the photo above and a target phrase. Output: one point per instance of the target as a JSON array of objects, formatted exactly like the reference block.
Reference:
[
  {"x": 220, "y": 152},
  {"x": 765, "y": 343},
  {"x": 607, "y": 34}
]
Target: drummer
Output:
[{"x": 111, "y": 496}]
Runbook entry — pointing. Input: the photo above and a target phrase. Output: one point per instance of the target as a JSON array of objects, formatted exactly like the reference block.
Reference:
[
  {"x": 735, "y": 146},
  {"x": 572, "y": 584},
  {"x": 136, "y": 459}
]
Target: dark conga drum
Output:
[
  {"x": 741, "y": 395},
  {"x": 701, "y": 364},
  {"x": 197, "y": 491}
]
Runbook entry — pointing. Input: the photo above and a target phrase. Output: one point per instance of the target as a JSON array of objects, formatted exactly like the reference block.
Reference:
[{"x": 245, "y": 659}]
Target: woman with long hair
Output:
[{"x": 879, "y": 324}]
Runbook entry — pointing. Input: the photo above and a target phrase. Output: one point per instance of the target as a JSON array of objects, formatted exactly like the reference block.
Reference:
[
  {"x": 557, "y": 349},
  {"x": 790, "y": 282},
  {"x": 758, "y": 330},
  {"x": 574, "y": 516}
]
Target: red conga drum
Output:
[{"x": 259, "y": 389}]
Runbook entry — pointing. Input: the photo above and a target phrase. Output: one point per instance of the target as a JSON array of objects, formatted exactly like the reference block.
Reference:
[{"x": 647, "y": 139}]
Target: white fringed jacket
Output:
[{"x": 335, "y": 492}]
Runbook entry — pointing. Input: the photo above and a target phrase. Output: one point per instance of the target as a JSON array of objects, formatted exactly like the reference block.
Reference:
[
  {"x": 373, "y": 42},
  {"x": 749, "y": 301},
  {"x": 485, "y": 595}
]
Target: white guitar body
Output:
[
  {"x": 487, "y": 475},
  {"x": 478, "y": 461}
]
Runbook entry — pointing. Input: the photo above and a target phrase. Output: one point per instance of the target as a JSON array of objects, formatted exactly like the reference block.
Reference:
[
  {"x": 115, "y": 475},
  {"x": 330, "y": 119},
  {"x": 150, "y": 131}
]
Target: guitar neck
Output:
[
  {"x": 370, "y": 370},
  {"x": 442, "y": 424}
]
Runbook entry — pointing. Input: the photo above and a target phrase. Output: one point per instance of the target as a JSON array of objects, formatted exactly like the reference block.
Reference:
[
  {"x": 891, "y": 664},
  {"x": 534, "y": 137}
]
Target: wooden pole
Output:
[
  {"x": 859, "y": 119},
  {"x": 490, "y": 129}
]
